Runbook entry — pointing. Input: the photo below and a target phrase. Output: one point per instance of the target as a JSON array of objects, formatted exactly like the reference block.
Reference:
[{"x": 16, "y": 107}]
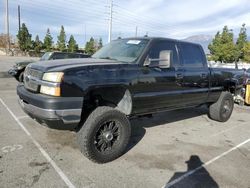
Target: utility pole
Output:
[
  {"x": 136, "y": 28},
  {"x": 7, "y": 25},
  {"x": 110, "y": 20},
  {"x": 19, "y": 18},
  {"x": 85, "y": 34}
]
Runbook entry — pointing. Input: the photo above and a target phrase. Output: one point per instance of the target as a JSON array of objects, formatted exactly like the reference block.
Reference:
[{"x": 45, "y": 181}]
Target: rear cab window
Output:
[{"x": 192, "y": 55}]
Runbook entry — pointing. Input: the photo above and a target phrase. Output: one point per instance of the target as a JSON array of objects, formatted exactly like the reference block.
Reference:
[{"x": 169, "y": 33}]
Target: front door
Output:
[{"x": 159, "y": 87}]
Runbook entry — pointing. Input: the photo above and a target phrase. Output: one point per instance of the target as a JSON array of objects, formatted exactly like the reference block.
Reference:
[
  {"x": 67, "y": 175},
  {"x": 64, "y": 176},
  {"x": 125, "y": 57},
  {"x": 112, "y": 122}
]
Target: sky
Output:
[{"x": 165, "y": 18}]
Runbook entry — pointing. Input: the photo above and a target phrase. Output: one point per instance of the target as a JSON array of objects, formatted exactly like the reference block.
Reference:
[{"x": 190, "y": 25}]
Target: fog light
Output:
[{"x": 54, "y": 91}]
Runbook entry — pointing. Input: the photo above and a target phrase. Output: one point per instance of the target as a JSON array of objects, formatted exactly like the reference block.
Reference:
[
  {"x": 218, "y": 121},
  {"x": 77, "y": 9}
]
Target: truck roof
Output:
[{"x": 160, "y": 38}]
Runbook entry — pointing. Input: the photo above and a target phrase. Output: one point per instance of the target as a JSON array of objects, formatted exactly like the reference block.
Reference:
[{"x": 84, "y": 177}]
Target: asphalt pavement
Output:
[{"x": 181, "y": 148}]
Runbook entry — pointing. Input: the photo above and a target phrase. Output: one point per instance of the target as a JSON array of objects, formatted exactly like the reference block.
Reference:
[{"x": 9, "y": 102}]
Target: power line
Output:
[
  {"x": 56, "y": 17},
  {"x": 95, "y": 15},
  {"x": 56, "y": 11},
  {"x": 130, "y": 25},
  {"x": 132, "y": 20},
  {"x": 140, "y": 18},
  {"x": 119, "y": 16}
]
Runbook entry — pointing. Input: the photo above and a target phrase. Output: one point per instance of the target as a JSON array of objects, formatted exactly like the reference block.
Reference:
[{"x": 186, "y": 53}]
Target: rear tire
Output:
[
  {"x": 221, "y": 110},
  {"x": 104, "y": 135}
]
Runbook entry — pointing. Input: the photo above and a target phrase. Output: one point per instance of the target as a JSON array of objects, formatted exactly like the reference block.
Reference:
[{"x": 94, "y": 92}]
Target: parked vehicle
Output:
[
  {"x": 247, "y": 93},
  {"x": 18, "y": 69},
  {"x": 246, "y": 90},
  {"x": 126, "y": 78},
  {"x": 247, "y": 76}
]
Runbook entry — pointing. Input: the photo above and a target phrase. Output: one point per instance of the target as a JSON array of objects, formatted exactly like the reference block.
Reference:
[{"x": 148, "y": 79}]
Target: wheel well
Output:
[
  {"x": 21, "y": 70},
  {"x": 231, "y": 87},
  {"x": 116, "y": 97}
]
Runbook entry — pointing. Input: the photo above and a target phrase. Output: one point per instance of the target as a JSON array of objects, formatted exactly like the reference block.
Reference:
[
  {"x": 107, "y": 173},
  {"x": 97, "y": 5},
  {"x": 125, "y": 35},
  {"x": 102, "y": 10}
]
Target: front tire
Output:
[
  {"x": 104, "y": 135},
  {"x": 221, "y": 110}
]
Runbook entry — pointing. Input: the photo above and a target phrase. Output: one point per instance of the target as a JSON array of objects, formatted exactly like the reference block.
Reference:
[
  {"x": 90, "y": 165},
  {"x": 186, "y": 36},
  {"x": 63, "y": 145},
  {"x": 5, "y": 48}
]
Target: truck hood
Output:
[{"x": 63, "y": 64}]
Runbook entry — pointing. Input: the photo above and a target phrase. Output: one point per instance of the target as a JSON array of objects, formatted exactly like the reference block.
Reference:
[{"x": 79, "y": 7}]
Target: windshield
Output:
[
  {"x": 46, "y": 56},
  {"x": 124, "y": 50}
]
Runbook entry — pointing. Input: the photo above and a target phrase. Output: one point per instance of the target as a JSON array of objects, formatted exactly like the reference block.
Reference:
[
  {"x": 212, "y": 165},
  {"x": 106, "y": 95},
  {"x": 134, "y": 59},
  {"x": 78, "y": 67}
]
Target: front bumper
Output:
[{"x": 55, "y": 112}]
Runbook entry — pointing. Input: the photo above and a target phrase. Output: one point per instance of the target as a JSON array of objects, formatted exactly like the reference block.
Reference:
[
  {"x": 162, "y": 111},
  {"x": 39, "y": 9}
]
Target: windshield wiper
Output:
[
  {"x": 107, "y": 57},
  {"x": 111, "y": 58}
]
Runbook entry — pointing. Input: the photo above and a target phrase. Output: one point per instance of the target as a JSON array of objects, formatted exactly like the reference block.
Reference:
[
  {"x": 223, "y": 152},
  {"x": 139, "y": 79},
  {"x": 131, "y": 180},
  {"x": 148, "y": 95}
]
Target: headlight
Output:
[
  {"x": 50, "y": 90},
  {"x": 19, "y": 67},
  {"x": 53, "y": 76}
]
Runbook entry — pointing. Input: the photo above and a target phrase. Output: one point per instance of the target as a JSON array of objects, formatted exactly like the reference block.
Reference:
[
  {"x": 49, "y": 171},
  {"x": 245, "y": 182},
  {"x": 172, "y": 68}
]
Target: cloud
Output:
[{"x": 166, "y": 18}]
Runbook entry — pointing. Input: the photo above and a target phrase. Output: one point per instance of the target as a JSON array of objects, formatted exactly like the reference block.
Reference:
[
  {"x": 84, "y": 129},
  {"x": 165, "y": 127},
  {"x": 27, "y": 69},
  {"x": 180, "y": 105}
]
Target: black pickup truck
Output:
[{"x": 125, "y": 79}]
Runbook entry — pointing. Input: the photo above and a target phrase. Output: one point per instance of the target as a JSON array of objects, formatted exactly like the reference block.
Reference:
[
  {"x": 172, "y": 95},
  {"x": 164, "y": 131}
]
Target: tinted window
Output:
[
  {"x": 84, "y": 56},
  {"x": 46, "y": 56},
  {"x": 192, "y": 55},
  {"x": 160, "y": 47},
  {"x": 73, "y": 56},
  {"x": 59, "y": 56}
]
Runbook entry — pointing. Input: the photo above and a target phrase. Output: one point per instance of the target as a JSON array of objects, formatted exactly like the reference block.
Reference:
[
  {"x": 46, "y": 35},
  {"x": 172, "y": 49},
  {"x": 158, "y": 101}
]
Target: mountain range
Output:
[{"x": 203, "y": 40}]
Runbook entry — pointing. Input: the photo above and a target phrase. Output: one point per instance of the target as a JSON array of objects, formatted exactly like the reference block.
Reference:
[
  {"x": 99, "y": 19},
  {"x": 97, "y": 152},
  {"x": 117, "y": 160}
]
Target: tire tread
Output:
[
  {"x": 83, "y": 135},
  {"x": 215, "y": 108}
]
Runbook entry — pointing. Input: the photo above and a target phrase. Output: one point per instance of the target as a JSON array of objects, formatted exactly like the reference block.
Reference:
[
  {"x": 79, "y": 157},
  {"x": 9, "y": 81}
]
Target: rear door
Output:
[{"x": 195, "y": 74}]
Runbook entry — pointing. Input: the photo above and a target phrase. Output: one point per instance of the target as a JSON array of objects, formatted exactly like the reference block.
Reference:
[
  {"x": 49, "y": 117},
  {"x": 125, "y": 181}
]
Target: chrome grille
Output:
[
  {"x": 31, "y": 77},
  {"x": 34, "y": 73}
]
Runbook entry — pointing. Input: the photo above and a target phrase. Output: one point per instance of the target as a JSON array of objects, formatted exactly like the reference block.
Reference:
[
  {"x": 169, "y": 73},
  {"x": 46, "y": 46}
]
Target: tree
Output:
[
  {"x": 214, "y": 48},
  {"x": 72, "y": 46},
  {"x": 61, "y": 40},
  {"x": 246, "y": 52},
  {"x": 37, "y": 45},
  {"x": 227, "y": 46},
  {"x": 24, "y": 38},
  {"x": 222, "y": 47},
  {"x": 241, "y": 42},
  {"x": 90, "y": 46},
  {"x": 3, "y": 40},
  {"x": 100, "y": 45},
  {"x": 48, "y": 41}
]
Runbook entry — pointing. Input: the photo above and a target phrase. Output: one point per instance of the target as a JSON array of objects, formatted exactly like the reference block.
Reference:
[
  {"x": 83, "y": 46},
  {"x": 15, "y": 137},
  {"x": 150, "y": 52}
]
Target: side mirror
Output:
[{"x": 164, "y": 60}]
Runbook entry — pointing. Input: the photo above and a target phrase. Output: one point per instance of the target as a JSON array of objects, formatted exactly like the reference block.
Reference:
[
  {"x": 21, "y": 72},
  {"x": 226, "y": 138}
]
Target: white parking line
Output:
[
  {"x": 224, "y": 131},
  {"x": 44, "y": 153},
  {"x": 22, "y": 117},
  {"x": 204, "y": 165}
]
